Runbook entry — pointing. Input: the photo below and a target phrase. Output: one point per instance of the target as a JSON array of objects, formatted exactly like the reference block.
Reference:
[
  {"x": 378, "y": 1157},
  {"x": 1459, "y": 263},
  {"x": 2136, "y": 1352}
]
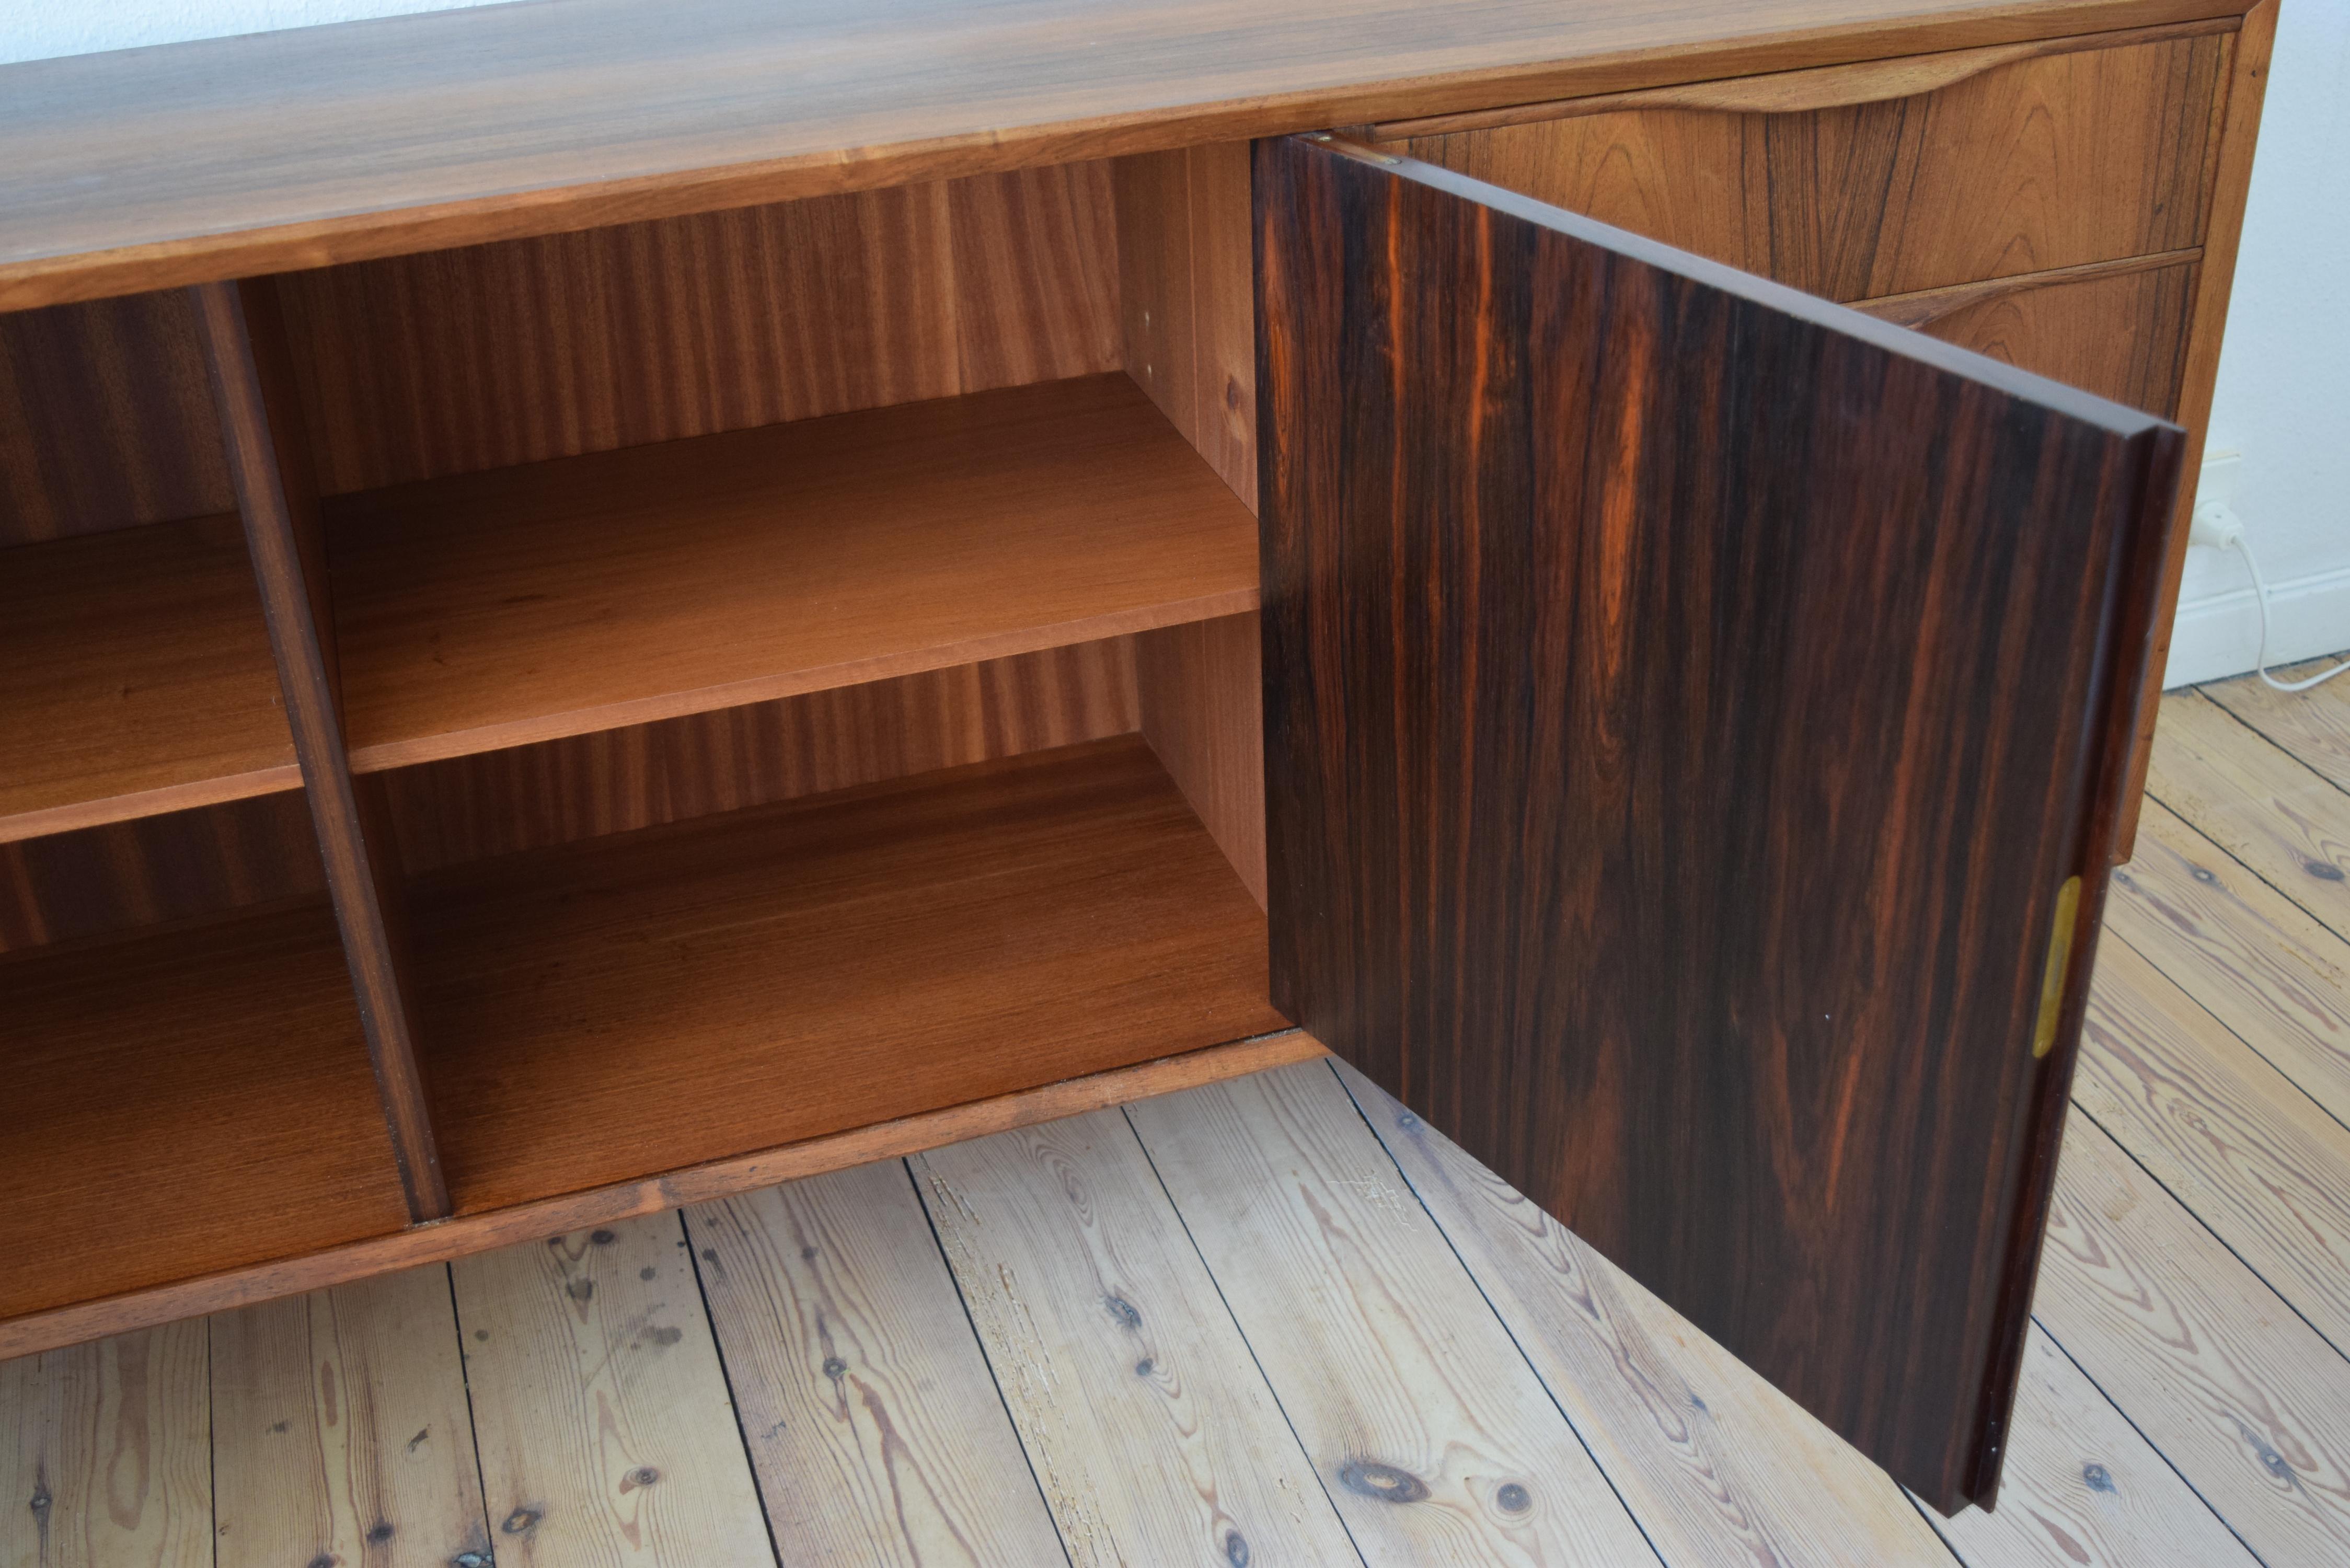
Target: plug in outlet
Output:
[{"x": 2214, "y": 524}]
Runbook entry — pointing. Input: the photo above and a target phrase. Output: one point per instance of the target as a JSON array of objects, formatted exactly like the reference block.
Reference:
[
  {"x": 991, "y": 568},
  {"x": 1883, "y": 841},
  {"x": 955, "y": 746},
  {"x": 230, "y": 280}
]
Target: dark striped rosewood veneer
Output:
[{"x": 603, "y": 604}]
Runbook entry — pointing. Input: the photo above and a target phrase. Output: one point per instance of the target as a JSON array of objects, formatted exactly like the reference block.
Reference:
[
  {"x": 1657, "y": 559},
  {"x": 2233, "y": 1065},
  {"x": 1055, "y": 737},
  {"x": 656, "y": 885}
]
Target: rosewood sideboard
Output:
[{"x": 603, "y": 603}]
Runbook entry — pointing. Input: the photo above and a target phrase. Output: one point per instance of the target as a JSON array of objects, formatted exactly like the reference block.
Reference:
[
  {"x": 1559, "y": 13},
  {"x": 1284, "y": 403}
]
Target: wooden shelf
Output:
[
  {"x": 189, "y": 1100},
  {"x": 527, "y": 604},
  {"x": 622, "y": 1006},
  {"x": 135, "y": 679}
]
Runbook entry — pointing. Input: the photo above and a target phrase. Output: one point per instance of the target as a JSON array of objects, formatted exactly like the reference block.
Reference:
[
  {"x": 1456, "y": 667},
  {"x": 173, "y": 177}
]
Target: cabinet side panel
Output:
[
  {"x": 1190, "y": 337},
  {"x": 2230, "y": 182},
  {"x": 1203, "y": 690}
]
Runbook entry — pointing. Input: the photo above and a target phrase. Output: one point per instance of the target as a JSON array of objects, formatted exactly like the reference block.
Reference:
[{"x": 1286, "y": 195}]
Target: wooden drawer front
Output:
[
  {"x": 1889, "y": 177},
  {"x": 2117, "y": 331}
]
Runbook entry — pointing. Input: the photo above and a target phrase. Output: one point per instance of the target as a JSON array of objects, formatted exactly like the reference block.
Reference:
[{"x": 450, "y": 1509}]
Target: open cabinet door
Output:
[{"x": 1694, "y": 718}]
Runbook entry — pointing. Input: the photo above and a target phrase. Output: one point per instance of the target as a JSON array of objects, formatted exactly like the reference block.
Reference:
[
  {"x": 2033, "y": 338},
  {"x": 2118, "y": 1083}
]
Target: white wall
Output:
[
  {"x": 2284, "y": 396},
  {"x": 39, "y": 29}
]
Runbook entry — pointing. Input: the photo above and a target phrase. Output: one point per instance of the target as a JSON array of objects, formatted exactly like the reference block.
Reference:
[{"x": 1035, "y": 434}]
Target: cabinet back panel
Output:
[
  {"x": 583, "y": 786},
  {"x": 454, "y": 361},
  {"x": 105, "y": 420},
  {"x": 153, "y": 869}
]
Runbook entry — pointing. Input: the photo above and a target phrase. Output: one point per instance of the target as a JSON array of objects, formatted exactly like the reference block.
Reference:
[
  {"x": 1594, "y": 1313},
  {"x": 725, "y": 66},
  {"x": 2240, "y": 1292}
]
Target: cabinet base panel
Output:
[{"x": 447, "y": 1239}]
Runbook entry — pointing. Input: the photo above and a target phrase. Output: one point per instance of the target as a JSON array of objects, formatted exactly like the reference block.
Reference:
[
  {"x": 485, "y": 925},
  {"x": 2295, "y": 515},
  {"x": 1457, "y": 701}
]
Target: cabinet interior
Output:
[{"x": 803, "y": 659}]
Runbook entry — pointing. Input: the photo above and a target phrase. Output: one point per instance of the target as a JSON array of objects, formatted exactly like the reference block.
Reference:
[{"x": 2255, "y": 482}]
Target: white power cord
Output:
[{"x": 2215, "y": 525}]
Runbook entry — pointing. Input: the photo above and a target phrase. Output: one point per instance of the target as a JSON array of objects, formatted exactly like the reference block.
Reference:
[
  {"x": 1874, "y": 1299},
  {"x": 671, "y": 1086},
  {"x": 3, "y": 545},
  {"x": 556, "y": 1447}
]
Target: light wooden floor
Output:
[{"x": 1279, "y": 1322}]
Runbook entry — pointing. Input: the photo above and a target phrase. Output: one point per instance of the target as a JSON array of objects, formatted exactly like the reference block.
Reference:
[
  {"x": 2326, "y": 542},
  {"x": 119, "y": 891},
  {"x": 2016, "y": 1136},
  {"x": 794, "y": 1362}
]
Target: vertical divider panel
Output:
[{"x": 242, "y": 334}]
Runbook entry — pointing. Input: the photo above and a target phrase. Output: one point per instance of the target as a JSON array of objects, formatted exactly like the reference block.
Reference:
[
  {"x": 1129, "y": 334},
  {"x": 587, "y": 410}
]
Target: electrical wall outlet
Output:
[
  {"x": 2218, "y": 480},
  {"x": 2213, "y": 522}
]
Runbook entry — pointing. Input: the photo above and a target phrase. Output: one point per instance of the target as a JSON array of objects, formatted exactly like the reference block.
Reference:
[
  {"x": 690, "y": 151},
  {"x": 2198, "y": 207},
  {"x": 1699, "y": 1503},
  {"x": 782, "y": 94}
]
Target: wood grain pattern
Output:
[
  {"x": 1926, "y": 305},
  {"x": 1035, "y": 261},
  {"x": 2313, "y": 725},
  {"x": 1189, "y": 305},
  {"x": 865, "y": 1401},
  {"x": 105, "y": 1453},
  {"x": 606, "y": 1431},
  {"x": 1186, "y": 289},
  {"x": 342, "y": 1432},
  {"x": 1202, "y": 700},
  {"x": 614, "y": 781},
  {"x": 1151, "y": 205},
  {"x": 1436, "y": 1447},
  {"x": 2285, "y": 822},
  {"x": 324, "y": 1265},
  {"x": 1787, "y": 92},
  {"x": 908, "y": 947},
  {"x": 2117, "y": 329},
  {"x": 242, "y": 334},
  {"x": 1709, "y": 612},
  {"x": 2009, "y": 170},
  {"x": 1115, "y": 1356},
  {"x": 491, "y": 356},
  {"x": 1224, "y": 313},
  {"x": 529, "y": 604},
  {"x": 2251, "y": 956},
  {"x": 2254, "y": 1159},
  {"x": 1719, "y": 1467},
  {"x": 2083, "y": 1488},
  {"x": 2243, "y": 1397},
  {"x": 104, "y": 420},
  {"x": 153, "y": 870},
  {"x": 135, "y": 678},
  {"x": 2229, "y": 181},
  {"x": 119, "y": 1052},
  {"x": 274, "y": 151}
]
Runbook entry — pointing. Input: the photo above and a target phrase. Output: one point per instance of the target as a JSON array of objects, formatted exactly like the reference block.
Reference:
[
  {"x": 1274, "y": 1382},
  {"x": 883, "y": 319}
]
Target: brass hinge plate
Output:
[{"x": 2060, "y": 964}]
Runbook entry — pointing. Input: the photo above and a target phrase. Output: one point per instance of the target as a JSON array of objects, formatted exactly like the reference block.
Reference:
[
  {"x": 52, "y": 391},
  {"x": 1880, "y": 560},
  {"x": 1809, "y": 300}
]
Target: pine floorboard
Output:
[
  {"x": 601, "y": 1413},
  {"x": 1432, "y": 1435},
  {"x": 2243, "y": 1398},
  {"x": 106, "y": 1451},
  {"x": 864, "y": 1396},
  {"x": 2249, "y": 955},
  {"x": 2259, "y": 1163},
  {"x": 1152, "y": 1431},
  {"x": 2083, "y": 1488},
  {"x": 1716, "y": 1465},
  {"x": 342, "y": 1433},
  {"x": 1279, "y": 1320}
]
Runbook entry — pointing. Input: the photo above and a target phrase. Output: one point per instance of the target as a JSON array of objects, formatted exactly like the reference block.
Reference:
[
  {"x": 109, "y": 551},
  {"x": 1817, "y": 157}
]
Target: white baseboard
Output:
[{"x": 2219, "y": 635}]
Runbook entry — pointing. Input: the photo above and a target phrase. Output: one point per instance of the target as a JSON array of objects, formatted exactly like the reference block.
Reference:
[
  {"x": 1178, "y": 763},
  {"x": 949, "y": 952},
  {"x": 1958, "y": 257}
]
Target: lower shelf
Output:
[
  {"x": 613, "y": 1008},
  {"x": 192, "y": 1123},
  {"x": 185, "y": 1101}
]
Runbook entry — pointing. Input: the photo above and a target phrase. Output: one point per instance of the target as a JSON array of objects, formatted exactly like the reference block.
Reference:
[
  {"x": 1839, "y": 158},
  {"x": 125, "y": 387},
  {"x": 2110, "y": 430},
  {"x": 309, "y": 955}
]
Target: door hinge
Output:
[{"x": 2060, "y": 963}]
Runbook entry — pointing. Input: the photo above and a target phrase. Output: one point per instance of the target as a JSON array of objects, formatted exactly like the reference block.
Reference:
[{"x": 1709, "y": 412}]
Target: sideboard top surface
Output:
[{"x": 186, "y": 162}]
